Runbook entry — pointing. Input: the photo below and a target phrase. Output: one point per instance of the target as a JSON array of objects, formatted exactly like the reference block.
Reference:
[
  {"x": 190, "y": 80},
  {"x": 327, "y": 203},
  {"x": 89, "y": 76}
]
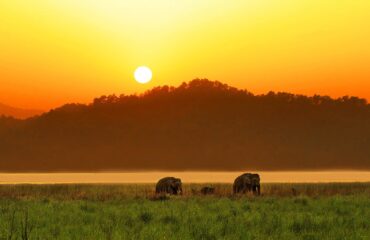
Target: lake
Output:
[{"x": 194, "y": 177}]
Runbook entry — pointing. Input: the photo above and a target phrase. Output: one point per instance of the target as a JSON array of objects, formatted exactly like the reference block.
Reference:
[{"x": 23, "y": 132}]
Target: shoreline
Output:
[{"x": 187, "y": 177}]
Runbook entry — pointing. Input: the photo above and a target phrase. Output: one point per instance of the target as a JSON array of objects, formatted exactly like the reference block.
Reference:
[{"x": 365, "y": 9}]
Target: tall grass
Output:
[
  {"x": 312, "y": 211},
  {"x": 123, "y": 191}
]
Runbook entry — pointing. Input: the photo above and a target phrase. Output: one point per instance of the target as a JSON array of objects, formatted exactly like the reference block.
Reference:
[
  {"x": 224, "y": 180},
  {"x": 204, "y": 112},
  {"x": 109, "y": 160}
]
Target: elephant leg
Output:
[
  {"x": 254, "y": 190},
  {"x": 236, "y": 189}
]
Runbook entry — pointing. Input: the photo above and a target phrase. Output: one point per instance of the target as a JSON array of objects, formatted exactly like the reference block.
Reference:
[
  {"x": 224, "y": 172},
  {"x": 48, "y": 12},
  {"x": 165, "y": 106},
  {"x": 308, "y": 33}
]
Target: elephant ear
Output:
[
  {"x": 256, "y": 179},
  {"x": 174, "y": 183},
  {"x": 247, "y": 181}
]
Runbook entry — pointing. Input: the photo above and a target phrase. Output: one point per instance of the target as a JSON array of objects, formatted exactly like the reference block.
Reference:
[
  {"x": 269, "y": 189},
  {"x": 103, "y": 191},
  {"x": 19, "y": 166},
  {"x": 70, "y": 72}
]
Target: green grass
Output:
[{"x": 314, "y": 211}]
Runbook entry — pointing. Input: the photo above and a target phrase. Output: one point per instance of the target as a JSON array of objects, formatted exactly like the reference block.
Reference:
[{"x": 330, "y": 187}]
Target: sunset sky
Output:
[{"x": 54, "y": 52}]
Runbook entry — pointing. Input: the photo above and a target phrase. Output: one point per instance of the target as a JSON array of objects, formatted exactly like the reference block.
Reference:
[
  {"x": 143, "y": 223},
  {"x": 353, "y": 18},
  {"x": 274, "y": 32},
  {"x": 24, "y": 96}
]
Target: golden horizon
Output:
[{"x": 187, "y": 177}]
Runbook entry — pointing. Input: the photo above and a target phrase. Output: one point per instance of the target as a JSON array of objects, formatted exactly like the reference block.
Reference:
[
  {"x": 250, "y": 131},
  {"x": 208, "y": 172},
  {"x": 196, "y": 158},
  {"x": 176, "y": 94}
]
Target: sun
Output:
[{"x": 143, "y": 74}]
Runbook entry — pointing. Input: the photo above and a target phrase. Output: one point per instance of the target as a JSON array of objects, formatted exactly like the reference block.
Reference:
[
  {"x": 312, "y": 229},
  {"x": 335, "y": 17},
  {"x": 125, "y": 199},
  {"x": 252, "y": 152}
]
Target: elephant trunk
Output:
[
  {"x": 256, "y": 189},
  {"x": 180, "y": 190}
]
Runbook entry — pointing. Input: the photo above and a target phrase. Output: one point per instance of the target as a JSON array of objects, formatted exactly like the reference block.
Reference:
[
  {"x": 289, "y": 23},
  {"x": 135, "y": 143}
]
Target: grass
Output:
[{"x": 310, "y": 211}]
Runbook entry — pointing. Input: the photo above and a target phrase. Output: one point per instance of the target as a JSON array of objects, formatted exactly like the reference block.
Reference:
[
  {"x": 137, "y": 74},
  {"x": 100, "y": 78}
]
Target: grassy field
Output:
[{"x": 283, "y": 211}]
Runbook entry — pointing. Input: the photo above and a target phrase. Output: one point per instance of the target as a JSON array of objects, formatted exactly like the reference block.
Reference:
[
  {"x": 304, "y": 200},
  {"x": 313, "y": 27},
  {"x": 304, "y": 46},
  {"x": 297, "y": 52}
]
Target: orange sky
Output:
[{"x": 53, "y": 52}]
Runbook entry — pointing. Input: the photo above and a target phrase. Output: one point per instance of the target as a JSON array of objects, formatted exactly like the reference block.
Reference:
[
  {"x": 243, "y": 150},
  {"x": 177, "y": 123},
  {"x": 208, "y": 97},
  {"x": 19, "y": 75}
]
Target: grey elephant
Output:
[
  {"x": 247, "y": 182},
  {"x": 207, "y": 190},
  {"x": 169, "y": 185}
]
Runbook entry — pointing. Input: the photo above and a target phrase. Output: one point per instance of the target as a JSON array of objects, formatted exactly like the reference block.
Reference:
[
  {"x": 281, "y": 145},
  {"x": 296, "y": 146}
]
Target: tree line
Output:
[{"x": 199, "y": 125}]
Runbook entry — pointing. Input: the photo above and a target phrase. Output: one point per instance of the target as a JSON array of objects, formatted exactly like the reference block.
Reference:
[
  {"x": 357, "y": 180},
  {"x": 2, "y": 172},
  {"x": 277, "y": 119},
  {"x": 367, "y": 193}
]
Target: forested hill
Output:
[
  {"x": 18, "y": 112},
  {"x": 200, "y": 125}
]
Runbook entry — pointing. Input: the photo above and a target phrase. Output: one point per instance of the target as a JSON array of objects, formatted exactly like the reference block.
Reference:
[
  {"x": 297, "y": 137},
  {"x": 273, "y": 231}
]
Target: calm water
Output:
[{"x": 195, "y": 177}]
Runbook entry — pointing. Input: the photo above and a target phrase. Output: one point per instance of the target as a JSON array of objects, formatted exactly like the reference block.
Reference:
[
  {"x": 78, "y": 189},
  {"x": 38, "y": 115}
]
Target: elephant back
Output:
[
  {"x": 166, "y": 180},
  {"x": 166, "y": 185},
  {"x": 243, "y": 183},
  {"x": 246, "y": 178}
]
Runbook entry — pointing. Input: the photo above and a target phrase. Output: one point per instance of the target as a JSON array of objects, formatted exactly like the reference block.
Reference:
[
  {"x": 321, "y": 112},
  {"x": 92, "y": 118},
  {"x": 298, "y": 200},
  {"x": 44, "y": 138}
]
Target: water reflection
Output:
[{"x": 195, "y": 177}]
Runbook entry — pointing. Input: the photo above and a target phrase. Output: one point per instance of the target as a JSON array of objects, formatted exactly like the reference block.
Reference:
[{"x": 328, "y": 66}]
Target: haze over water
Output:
[{"x": 187, "y": 177}]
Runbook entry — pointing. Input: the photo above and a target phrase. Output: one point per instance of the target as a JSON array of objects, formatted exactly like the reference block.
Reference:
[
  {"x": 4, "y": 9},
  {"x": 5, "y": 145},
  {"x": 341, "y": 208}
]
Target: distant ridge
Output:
[
  {"x": 18, "y": 112},
  {"x": 199, "y": 125}
]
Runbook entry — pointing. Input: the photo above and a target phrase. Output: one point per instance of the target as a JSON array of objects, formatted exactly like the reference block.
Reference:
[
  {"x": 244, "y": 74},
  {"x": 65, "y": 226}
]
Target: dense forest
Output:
[{"x": 200, "y": 125}]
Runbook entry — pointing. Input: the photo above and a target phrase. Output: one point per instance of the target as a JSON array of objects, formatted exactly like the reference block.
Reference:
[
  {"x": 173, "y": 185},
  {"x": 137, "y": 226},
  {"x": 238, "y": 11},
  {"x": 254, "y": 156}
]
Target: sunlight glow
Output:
[
  {"x": 74, "y": 51},
  {"x": 143, "y": 74}
]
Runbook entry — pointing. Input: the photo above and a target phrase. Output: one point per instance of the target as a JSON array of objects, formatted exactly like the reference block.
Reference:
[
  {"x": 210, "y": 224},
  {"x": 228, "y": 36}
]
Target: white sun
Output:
[{"x": 143, "y": 74}]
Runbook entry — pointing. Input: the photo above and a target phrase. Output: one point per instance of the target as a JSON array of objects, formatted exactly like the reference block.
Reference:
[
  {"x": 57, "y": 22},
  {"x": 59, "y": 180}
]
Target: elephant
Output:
[
  {"x": 169, "y": 185},
  {"x": 247, "y": 182},
  {"x": 207, "y": 190}
]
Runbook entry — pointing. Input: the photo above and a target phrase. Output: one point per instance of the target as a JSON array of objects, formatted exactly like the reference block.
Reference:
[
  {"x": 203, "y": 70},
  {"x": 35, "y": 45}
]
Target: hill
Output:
[
  {"x": 200, "y": 125},
  {"x": 18, "y": 112}
]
